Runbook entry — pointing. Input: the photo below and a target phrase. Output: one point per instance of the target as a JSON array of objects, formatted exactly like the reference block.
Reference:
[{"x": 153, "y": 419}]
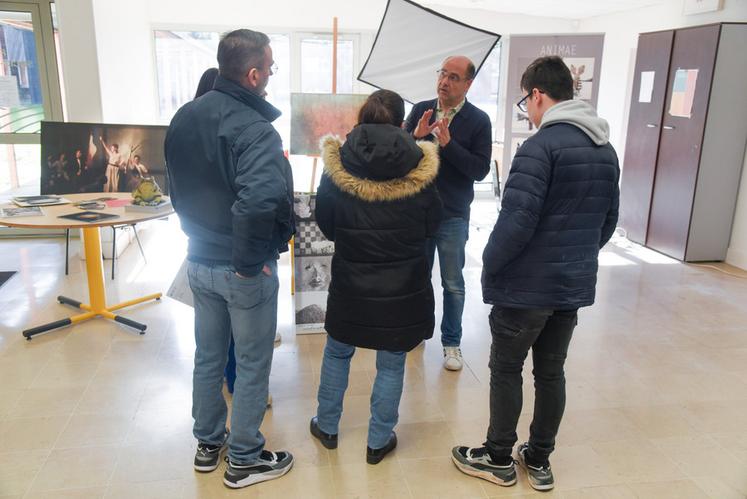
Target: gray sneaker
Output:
[
  {"x": 540, "y": 477},
  {"x": 269, "y": 466},
  {"x": 207, "y": 456},
  {"x": 475, "y": 461}
]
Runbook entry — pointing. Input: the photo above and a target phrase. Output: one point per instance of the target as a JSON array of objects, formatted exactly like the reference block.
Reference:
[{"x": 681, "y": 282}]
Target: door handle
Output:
[
  {"x": 667, "y": 127},
  {"x": 651, "y": 125}
]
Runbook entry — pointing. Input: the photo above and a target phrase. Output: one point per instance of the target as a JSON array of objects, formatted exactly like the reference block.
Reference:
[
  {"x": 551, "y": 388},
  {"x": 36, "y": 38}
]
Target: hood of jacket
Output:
[
  {"x": 580, "y": 114},
  {"x": 376, "y": 166}
]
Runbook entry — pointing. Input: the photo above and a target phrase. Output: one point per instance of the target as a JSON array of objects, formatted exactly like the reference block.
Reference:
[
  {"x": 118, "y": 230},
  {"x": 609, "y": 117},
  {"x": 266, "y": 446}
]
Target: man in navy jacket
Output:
[
  {"x": 540, "y": 265},
  {"x": 464, "y": 134},
  {"x": 232, "y": 188}
]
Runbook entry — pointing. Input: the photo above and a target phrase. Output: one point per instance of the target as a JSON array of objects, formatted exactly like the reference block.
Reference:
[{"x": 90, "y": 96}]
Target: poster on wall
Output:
[
  {"x": 581, "y": 53},
  {"x": 683, "y": 93},
  {"x": 315, "y": 115},
  {"x": 87, "y": 157},
  {"x": 312, "y": 267}
]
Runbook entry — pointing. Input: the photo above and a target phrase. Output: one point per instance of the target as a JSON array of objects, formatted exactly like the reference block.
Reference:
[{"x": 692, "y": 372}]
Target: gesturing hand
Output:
[
  {"x": 424, "y": 129},
  {"x": 442, "y": 131}
]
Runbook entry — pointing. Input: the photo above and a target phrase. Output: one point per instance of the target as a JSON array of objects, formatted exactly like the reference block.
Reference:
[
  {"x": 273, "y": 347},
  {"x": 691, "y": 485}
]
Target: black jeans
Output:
[{"x": 548, "y": 333}]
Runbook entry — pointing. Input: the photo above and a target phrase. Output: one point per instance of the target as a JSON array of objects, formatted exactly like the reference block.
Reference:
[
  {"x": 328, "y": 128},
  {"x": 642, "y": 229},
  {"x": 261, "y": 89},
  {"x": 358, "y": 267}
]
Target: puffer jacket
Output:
[
  {"x": 229, "y": 180},
  {"x": 559, "y": 208},
  {"x": 377, "y": 201}
]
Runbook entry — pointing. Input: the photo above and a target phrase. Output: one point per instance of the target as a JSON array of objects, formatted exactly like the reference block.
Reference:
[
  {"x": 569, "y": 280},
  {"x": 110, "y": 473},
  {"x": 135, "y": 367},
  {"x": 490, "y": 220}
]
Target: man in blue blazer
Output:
[{"x": 464, "y": 136}]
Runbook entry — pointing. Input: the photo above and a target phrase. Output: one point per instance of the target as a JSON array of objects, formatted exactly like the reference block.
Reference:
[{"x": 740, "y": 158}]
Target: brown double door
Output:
[
  {"x": 644, "y": 128},
  {"x": 681, "y": 139}
]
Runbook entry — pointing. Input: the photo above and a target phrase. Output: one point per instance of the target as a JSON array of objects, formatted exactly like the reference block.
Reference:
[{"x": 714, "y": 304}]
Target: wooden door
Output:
[
  {"x": 694, "y": 49},
  {"x": 644, "y": 128}
]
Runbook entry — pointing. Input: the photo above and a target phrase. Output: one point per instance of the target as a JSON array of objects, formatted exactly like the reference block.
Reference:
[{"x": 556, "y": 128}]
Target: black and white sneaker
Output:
[
  {"x": 269, "y": 466},
  {"x": 540, "y": 477},
  {"x": 207, "y": 456},
  {"x": 475, "y": 461}
]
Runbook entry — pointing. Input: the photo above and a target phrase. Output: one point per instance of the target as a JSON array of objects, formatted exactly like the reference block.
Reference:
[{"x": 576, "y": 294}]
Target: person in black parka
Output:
[
  {"x": 540, "y": 265},
  {"x": 378, "y": 202}
]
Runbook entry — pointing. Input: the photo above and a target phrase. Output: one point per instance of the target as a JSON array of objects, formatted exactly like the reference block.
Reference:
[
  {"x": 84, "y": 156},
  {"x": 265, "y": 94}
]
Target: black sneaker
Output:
[
  {"x": 475, "y": 461},
  {"x": 374, "y": 456},
  {"x": 328, "y": 440},
  {"x": 207, "y": 456},
  {"x": 540, "y": 477},
  {"x": 269, "y": 466}
]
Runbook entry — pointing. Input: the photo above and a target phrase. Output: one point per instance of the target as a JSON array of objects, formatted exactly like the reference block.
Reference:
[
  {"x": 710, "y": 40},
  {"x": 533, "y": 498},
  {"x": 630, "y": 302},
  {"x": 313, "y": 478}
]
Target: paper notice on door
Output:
[
  {"x": 683, "y": 93},
  {"x": 9, "y": 97},
  {"x": 647, "y": 87}
]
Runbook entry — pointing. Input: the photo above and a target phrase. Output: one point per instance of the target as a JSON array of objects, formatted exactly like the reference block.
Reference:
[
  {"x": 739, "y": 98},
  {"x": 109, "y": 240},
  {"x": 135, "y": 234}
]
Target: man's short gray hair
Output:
[{"x": 239, "y": 51}]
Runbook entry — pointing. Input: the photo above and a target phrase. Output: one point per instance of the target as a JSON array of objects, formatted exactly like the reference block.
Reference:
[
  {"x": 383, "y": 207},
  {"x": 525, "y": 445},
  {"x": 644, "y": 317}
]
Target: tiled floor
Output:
[{"x": 657, "y": 389}]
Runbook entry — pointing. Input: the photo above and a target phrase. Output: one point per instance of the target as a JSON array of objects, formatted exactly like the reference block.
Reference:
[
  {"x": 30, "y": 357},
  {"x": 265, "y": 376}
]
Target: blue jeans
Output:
[
  {"x": 387, "y": 390},
  {"x": 246, "y": 308},
  {"x": 450, "y": 239}
]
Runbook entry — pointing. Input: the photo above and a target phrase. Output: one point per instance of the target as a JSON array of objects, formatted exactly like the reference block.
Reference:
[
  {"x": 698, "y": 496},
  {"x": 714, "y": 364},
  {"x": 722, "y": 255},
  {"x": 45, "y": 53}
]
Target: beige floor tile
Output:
[
  {"x": 604, "y": 492},
  {"x": 701, "y": 457},
  {"x": 18, "y": 470},
  {"x": 82, "y": 493},
  {"x": 18, "y": 374},
  {"x": 309, "y": 483},
  {"x": 594, "y": 426},
  {"x": 111, "y": 400},
  {"x": 76, "y": 469},
  {"x": 638, "y": 460},
  {"x": 150, "y": 426},
  {"x": 165, "y": 461},
  {"x": 438, "y": 478},
  {"x": 425, "y": 440},
  {"x": 8, "y": 400},
  {"x": 718, "y": 417},
  {"x": 579, "y": 467},
  {"x": 47, "y": 401},
  {"x": 150, "y": 490},
  {"x": 680, "y": 489},
  {"x": 94, "y": 430},
  {"x": 722, "y": 488},
  {"x": 657, "y": 421},
  {"x": 351, "y": 447},
  {"x": 420, "y": 407},
  {"x": 25, "y": 434},
  {"x": 365, "y": 481},
  {"x": 60, "y": 374}
]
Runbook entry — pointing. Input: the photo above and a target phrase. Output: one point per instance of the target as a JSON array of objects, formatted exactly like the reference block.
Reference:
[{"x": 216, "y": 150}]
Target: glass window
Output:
[
  {"x": 19, "y": 168},
  {"x": 182, "y": 57},
  {"x": 21, "y": 104},
  {"x": 316, "y": 65}
]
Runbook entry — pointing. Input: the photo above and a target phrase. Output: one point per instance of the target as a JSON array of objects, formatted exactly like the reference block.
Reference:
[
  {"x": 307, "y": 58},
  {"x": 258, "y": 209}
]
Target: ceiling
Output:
[{"x": 565, "y": 9}]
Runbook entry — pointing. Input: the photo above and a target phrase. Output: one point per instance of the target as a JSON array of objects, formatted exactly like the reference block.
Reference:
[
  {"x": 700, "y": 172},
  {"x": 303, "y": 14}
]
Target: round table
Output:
[{"x": 92, "y": 246}]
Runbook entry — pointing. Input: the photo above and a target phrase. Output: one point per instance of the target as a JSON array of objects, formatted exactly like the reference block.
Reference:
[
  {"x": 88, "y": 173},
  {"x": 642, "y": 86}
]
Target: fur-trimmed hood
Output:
[{"x": 385, "y": 170}]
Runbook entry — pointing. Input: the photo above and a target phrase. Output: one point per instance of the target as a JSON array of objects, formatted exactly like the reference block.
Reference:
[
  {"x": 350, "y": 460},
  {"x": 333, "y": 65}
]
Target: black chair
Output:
[{"x": 114, "y": 246}]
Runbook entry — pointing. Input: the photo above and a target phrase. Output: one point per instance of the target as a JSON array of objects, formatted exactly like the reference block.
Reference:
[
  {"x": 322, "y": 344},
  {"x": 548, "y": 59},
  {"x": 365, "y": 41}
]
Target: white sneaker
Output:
[
  {"x": 453, "y": 358},
  {"x": 277, "y": 337}
]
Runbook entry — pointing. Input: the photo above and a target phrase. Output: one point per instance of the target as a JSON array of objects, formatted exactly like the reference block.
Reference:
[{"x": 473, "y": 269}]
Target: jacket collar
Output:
[
  {"x": 264, "y": 108},
  {"x": 414, "y": 182}
]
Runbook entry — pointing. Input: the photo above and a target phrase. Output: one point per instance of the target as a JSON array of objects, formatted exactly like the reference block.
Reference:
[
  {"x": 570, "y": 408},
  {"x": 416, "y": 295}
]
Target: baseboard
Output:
[{"x": 737, "y": 257}]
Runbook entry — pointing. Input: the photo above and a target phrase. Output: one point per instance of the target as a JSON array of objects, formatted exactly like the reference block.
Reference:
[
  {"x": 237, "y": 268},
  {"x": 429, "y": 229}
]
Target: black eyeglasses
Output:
[
  {"x": 452, "y": 77},
  {"x": 522, "y": 104}
]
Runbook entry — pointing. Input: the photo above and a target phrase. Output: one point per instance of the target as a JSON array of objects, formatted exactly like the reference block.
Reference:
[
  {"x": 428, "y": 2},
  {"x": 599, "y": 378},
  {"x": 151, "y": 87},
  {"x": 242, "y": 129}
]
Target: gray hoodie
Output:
[{"x": 580, "y": 114}]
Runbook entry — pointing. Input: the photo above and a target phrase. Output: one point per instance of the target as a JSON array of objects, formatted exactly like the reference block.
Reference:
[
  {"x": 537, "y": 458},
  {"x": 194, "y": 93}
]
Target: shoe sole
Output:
[
  {"x": 258, "y": 478},
  {"x": 538, "y": 487},
  {"x": 485, "y": 475},
  {"x": 453, "y": 368}
]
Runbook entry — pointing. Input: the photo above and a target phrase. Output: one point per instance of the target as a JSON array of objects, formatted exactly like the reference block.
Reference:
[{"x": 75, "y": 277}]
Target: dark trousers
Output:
[{"x": 548, "y": 333}]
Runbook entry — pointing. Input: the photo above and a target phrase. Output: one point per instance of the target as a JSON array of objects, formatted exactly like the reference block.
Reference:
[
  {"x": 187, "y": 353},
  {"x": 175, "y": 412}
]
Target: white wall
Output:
[{"x": 621, "y": 39}]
